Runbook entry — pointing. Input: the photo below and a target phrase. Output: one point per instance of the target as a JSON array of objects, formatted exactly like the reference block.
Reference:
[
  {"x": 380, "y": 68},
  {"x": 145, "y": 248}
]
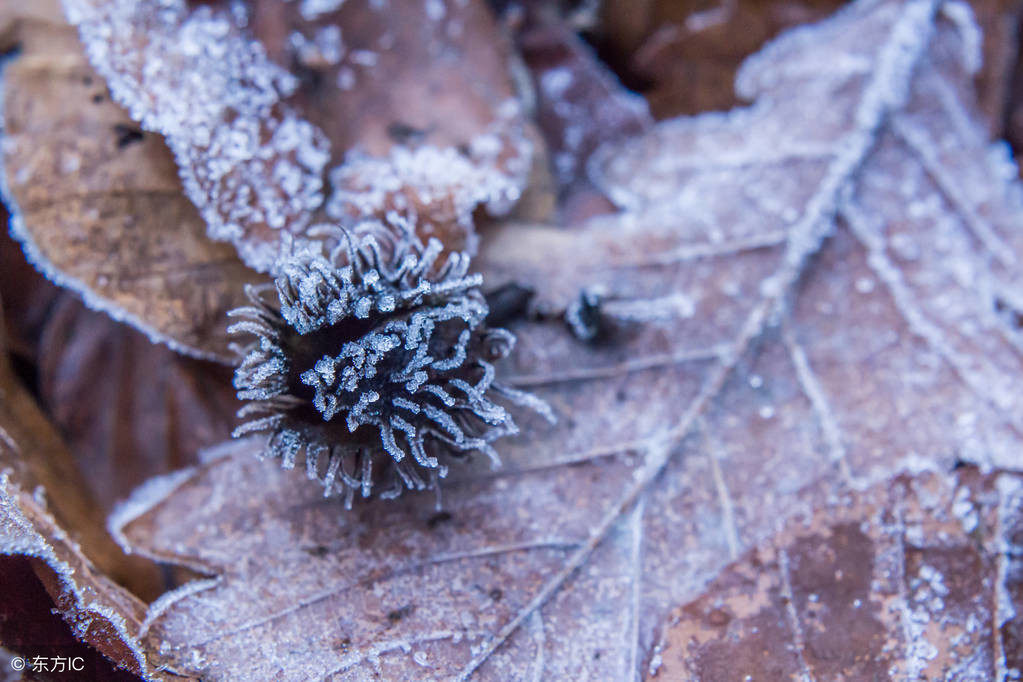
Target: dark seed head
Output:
[{"x": 379, "y": 370}]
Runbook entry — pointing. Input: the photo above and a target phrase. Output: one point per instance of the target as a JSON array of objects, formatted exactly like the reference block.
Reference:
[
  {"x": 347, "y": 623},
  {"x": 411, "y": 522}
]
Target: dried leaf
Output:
[
  {"x": 27, "y": 297},
  {"x": 417, "y": 102},
  {"x": 98, "y": 204},
  {"x": 244, "y": 132},
  {"x": 684, "y": 55},
  {"x": 443, "y": 87},
  {"x": 812, "y": 294},
  {"x": 30, "y": 626},
  {"x": 909, "y": 579},
  {"x": 47, "y": 513},
  {"x": 580, "y": 104},
  {"x": 127, "y": 408}
]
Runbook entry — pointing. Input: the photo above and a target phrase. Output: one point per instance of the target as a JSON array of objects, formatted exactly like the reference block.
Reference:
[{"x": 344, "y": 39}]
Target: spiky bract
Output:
[{"x": 380, "y": 370}]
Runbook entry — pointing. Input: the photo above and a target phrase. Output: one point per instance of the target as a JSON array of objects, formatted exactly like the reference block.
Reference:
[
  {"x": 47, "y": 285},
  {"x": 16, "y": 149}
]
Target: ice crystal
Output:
[
  {"x": 377, "y": 364},
  {"x": 583, "y": 315},
  {"x": 437, "y": 188},
  {"x": 325, "y": 48}
]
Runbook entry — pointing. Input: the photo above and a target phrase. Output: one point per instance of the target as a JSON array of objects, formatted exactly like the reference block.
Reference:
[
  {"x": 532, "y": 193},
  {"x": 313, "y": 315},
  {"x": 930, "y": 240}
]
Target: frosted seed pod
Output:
[{"x": 378, "y": 370}]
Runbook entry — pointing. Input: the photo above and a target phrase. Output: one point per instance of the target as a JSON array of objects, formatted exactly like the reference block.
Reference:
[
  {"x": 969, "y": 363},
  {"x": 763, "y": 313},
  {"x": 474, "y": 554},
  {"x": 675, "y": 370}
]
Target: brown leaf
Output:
[
  {"x": 14, "y": 16},
  {"x": 27, "y": 297},
  {"x": 99, "y": 204},
  {"x": 999, "y": 20},
  {"x": 128, "y": 409},
  {"x": 385, "y": 86},
  {"x": 909, "y": 579},
  {"x": 244, "y": 130},
  {"x": 47, "y": 513},
  {"x": 798, "y": 300},
  {"x": 579, "y": 103},
  {"x": 685, "y": 54},
  {"x": 30, "y": 626},
  {"x": 443, "y": 87}
]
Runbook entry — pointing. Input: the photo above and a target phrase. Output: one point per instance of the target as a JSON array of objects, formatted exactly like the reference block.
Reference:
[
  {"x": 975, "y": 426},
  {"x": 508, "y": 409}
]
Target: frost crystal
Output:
[
  {"x": 437, "y": 188},
  {"x": 314, "y": 9},
  {"x": 387, "y": 352}
]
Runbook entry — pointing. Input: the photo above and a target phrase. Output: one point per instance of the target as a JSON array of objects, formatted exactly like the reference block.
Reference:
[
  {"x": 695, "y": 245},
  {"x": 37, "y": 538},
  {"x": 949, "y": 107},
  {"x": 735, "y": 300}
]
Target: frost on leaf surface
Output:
[
  {"x": 249, "y": 163},
  {"x": 417, "y": 101},
  {"x": 97, "y": 203},
  {"x": 897, "y": 569},
  {"x": 76, "y": 569},
  {"x": 379, "y": 371},
  {"x": 250, "y": 141},
  {"x": 437, "y": 189},
  {"x": 794, "y": 298}
]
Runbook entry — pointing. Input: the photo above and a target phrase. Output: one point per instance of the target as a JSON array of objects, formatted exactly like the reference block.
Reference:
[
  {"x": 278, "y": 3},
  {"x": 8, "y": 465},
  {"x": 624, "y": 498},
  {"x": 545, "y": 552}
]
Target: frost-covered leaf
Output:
[
  {"x": 909, "y": 579},
  {"x": 47, "y": 513},
  {"x": 30, "y": 626},
  {"x": 798, "y": 300},
  {"x": 683, "y": 54},
  {"x": 375, "y": 75},
  {"x": 98, "y": 204},
  {"x": 579, "y": 103},
  {"x": 250, "y": 164},
  {"x": 417, "y": 102},
  {"x": 246, "y": 134}
]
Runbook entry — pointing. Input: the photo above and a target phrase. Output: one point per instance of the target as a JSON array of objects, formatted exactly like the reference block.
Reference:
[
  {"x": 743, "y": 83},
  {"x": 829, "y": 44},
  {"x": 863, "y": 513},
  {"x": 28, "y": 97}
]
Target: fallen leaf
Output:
[
  {"x": 444, "y": 87},
  {"x": 684, "y": 55},
  {"x": 99, "y": 206},
  {"x": 47, "y": 513},
  {"x": 909, "y": 579},
  {"x": 127, "y": 408},
  {"x": 387, "y": 112},
  {"x": 27, "y": 297},
  {"x": 813, "y": 293},
  {"x": 244, "y": 130},
  {"x": 579, "y": 102},
  {"x": 30, "y": 626}
]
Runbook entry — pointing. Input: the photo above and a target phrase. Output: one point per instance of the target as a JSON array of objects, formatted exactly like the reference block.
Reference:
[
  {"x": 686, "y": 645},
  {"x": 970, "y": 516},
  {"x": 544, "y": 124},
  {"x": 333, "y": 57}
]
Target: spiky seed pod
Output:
[{"x": 380, "y": 371}]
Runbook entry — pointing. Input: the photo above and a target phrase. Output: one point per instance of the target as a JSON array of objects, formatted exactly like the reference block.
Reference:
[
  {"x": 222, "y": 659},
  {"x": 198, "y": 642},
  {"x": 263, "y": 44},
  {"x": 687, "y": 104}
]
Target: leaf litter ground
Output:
[{"x": 802, "y": 299}]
